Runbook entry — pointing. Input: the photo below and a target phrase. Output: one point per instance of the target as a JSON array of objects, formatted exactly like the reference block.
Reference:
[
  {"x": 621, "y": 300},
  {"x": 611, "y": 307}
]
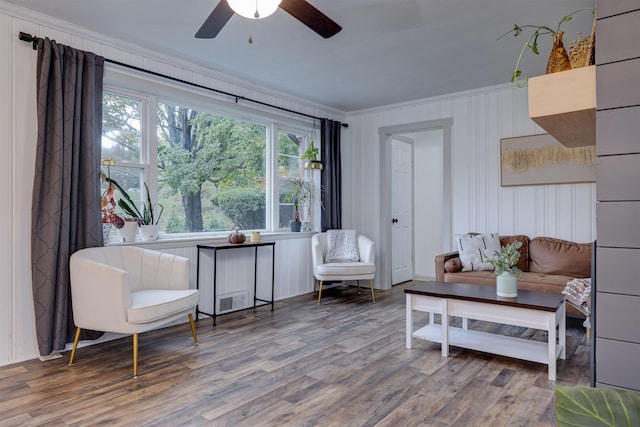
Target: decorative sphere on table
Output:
[{"x": 236, "y": 237}]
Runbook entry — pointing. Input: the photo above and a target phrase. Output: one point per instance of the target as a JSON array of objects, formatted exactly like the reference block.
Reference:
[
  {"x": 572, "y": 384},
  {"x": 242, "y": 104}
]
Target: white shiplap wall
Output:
[
  {"x": 18, "y": 140},
  {"x": 236, "y": 267},
  {"x": 480, "y": 118}
]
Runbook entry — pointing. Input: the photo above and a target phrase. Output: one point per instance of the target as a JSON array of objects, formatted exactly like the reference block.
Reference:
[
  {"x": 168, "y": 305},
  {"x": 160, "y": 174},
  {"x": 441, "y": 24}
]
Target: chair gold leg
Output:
[
  {"x": 320, "y": 292},
  {"x": 373, "y": 295},
  {"x": 75, "y": 346},
  {"x": 193, "y": 329},
  {"x": 135, "y": 356},
  {"x": 588, "y": 333},
  {"x": 315, "y": 283}
]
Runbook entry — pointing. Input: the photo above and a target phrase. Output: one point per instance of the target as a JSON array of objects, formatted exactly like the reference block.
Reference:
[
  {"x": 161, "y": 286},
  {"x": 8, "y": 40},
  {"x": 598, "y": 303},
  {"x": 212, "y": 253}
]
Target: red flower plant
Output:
[{"x": 108, "y": 202}]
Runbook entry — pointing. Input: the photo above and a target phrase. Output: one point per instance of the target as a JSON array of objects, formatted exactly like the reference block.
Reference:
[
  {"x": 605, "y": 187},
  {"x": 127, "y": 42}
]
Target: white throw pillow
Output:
[
  {"x": 475, "y": 249},
  {"x": 342, "y": 246}
]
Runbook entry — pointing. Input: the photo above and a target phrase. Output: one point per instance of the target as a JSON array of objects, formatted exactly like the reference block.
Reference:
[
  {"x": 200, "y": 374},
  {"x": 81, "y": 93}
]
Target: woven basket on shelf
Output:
[{"x": 581, "y": 51}]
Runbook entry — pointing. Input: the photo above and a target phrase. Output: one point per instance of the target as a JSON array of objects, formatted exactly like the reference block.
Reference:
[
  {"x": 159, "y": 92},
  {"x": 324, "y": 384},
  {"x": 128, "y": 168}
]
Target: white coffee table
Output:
[{"x": 537, "y": 310}]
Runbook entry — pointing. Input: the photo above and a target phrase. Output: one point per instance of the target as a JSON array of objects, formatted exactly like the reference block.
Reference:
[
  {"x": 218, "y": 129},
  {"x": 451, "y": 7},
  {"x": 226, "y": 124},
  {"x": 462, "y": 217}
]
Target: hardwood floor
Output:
[{"x": 343, "y": 363}]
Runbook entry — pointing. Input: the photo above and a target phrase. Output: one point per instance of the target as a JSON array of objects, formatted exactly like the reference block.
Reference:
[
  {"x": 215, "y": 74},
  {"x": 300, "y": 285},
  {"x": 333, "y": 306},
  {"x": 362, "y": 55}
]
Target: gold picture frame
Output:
[{"x": 541, "y": 159}]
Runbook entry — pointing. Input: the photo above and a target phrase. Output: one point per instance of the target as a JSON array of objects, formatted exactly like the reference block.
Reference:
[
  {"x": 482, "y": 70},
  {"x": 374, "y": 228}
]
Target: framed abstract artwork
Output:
[{"x": 541, "y": 159}]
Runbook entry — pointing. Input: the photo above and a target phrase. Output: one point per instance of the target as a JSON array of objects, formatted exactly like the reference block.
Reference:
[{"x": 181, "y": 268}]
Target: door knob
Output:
[{"x": 394, "y": 220}]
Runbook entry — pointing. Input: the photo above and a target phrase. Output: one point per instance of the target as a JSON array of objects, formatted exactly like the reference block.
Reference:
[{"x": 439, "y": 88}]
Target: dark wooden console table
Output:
[{"x": 226, "y": 246}]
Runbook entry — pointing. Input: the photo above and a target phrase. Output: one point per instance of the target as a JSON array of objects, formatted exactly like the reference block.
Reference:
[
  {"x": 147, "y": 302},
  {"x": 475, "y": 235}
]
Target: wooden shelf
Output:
[
  {"x": 564, "y": 104},
  {"x": 518, "y": 348}
]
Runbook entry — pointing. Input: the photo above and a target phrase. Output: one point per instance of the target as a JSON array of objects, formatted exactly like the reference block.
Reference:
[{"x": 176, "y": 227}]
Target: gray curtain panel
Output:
[
  {"x": 66, "y": 188},
  {"x": 331, "y": 176}
]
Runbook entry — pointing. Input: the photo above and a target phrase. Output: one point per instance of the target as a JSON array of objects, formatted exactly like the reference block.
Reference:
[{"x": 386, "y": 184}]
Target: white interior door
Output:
[{"x": 401, "y": 211}]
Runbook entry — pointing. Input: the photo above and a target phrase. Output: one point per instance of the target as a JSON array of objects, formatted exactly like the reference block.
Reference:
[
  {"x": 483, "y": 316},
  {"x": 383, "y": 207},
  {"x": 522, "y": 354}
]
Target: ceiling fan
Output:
[{"x": 302, "y": 10}]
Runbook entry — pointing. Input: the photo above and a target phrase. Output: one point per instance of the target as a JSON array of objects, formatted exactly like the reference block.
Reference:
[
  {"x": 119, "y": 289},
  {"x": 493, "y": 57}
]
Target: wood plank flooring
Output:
[{"x": 342, "y": 363}]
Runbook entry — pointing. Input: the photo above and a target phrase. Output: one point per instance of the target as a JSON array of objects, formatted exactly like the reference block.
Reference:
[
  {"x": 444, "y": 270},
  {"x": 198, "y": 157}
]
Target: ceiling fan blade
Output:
[
  {"x": 304, "y": 12},
  {"x": 214, "y": 23}
]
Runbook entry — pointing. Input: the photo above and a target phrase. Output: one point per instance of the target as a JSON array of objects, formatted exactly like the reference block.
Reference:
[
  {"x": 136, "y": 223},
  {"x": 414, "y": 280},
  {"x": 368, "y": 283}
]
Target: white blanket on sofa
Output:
[{"x": 578, "y": 294}]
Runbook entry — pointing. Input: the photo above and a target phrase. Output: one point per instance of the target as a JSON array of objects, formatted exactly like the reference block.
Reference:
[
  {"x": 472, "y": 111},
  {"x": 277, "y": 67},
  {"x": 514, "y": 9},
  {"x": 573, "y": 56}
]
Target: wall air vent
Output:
[{"x": 231, "y": 302}]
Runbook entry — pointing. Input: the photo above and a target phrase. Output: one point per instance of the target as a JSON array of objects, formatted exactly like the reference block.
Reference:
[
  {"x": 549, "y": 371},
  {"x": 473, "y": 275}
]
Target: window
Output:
[
  {"x": 210, "y": 171},
  {"x": 122, "y": 141},
  {"x": 289, "y": 151}
]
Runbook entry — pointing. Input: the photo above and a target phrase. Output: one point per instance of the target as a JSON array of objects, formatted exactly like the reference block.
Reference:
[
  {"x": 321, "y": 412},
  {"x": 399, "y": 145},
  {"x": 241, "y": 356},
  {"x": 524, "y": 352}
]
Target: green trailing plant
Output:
[
  {"x": 587, "y": 406},
  {"x": 506, "y": 259},
  {"x": 145, "y": 217},
  {"x": 311, "y": 153},
  {"x": 532, "y": 42}
]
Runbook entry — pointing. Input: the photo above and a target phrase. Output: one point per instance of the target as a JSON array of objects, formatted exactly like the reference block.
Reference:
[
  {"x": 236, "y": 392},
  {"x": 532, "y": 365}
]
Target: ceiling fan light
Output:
[{"x": 254, "y": 9}]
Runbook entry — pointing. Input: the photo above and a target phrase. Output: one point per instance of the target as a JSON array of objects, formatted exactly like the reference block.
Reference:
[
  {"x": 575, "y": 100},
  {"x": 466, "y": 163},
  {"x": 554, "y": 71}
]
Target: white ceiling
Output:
[{"x": 389, "y": 51}]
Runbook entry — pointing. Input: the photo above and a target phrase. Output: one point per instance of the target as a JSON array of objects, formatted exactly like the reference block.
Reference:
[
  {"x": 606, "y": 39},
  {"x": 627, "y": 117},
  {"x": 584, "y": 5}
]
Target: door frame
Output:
[{"x": 384, "y": 184}]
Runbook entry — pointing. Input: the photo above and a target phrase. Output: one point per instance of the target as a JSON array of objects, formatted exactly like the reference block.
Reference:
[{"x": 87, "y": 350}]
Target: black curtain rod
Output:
[{"x": 34, "y": 41}]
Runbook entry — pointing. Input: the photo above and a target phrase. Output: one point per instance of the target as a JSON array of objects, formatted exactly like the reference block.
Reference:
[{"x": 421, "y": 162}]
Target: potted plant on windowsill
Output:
[
  {"x": 296, "y": 224},
  {"x": 147, "y": 220},
  {"x": 504, "y": 263},
  {"x": 126, "y": 226},
  {"x": 302, "y": 198},
  {"x": 107, "y": 200}
]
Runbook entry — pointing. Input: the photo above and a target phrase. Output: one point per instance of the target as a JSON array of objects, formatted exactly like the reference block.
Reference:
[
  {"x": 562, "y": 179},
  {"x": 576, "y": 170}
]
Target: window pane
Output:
[
  {"x": 290, "y": 148},
  {"x": 121, "y": 128},
  {"x": 122, "y": 142},
  {"x": 211, "y": 171}
]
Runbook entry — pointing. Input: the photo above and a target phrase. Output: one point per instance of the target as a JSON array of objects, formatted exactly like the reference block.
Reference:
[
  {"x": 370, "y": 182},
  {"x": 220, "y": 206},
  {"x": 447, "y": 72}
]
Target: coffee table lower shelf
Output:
[{"x": 517, "y": 348}]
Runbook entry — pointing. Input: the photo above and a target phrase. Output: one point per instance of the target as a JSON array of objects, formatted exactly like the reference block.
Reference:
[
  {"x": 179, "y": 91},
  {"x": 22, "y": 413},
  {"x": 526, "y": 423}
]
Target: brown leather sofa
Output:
[{"x": 547, "y": 264}]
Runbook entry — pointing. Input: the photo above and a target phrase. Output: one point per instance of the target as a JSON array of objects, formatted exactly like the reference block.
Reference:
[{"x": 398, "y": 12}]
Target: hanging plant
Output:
[
  {"x": 311, "y": 153},
  {"x": 311, "y": 157}
]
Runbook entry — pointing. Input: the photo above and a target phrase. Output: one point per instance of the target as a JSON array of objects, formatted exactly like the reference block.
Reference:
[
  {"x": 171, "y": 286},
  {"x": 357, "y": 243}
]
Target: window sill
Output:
[{"x": 167, "y": 240}]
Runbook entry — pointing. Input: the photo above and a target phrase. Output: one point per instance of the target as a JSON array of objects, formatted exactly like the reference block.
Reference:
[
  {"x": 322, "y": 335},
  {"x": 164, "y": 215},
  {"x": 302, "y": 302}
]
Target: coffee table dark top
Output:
[{"x": 544, "y": 301}]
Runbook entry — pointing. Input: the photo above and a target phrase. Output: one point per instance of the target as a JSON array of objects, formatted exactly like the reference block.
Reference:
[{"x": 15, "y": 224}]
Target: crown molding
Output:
[{"x": 448, "y": 96}]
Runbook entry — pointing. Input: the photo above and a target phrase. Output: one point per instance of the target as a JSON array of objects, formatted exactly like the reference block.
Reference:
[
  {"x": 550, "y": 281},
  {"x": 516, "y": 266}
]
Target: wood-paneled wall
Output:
[
  {"x": 617, "y": 296},
  {"x": 480, "y": 119},
  {"x": 18, "y": 141},
  {"x": 235, "y": 267}
]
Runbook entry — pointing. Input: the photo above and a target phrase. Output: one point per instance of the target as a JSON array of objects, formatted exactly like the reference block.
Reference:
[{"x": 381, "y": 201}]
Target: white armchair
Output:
[
  {"x": 364, "y": 269},
  {"x": 129, "y": 290}
]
